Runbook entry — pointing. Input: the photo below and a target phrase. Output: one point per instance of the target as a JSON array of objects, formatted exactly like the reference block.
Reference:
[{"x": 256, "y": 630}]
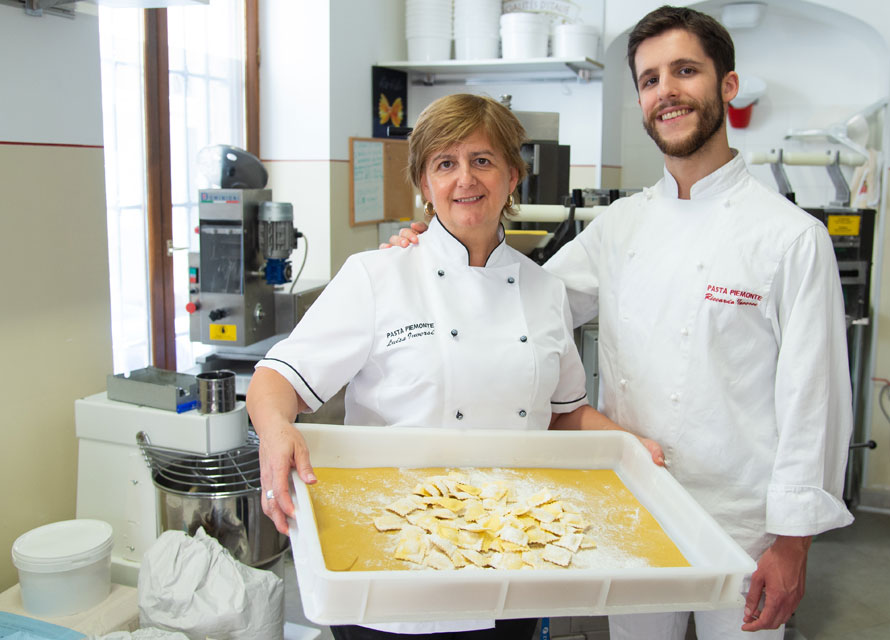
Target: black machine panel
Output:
[{"x": 852, "y": 233}]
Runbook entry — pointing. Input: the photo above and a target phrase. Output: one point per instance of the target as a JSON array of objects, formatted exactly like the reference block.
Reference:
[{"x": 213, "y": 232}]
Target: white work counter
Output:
[{"x": 118, "y": 612}]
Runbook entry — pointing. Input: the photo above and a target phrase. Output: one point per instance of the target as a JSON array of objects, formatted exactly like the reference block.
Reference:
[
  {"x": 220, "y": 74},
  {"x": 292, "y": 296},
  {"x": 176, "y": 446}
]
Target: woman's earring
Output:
[
  {"x": 509, "y": 201},
  {"x": 428, "y": 209}
]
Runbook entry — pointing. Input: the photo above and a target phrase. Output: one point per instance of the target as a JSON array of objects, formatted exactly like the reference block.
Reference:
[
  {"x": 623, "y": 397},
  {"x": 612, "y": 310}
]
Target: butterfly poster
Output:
[{"x": 389, "y": 97}]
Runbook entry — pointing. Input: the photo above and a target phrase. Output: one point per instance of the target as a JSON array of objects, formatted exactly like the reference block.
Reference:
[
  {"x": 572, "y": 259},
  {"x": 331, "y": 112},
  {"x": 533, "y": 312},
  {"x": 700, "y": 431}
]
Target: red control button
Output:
[{"x": 191, "y": 307}]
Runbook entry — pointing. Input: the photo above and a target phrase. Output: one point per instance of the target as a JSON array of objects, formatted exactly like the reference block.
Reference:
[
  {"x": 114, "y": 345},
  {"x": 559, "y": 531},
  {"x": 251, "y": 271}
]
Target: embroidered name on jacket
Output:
[
  {"x": 410, "y": 331},
  {"x": 738, "y": 297}
]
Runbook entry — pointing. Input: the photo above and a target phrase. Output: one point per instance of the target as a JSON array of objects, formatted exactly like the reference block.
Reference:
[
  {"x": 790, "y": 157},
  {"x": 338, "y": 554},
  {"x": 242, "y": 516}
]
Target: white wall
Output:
[
  {"x": 295, "y": 80},
  {"x": 621, "y": 15},
  {"x": 315, "y": 92},
  {"x": 364, "y": 33},
  {"x": 56, "y": 323},
  {"x": 295, "y": 119},
  {"x": 49, "y": 94}
]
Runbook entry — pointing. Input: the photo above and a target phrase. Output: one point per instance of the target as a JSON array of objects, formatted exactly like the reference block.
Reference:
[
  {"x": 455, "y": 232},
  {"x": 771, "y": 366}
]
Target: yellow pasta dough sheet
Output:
[{"x": 390, "y": 519}]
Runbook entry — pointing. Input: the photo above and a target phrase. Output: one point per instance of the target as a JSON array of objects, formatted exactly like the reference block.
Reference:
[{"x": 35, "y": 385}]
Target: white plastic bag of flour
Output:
[{"x": 193, "y": 585}]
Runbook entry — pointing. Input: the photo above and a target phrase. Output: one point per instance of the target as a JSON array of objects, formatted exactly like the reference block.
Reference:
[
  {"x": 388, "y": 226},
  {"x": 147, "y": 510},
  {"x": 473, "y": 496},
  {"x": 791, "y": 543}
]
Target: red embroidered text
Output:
[{"x": 740, "y": 297}]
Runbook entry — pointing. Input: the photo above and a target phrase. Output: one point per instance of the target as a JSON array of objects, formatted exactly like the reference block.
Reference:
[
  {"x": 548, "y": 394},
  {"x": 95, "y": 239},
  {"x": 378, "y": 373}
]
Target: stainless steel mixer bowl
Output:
[
  {"x": 236, "y": 520},
  {"x": 228, "y": 507}
]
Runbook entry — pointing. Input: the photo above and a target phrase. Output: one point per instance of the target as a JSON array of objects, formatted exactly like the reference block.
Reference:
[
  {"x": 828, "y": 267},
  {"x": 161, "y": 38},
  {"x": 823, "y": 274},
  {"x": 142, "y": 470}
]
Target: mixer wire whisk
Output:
[{"x": 233, "y": 470}]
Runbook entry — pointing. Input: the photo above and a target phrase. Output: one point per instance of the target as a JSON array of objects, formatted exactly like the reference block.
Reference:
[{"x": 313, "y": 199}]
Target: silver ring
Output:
[{"x": 270, "y": 495}]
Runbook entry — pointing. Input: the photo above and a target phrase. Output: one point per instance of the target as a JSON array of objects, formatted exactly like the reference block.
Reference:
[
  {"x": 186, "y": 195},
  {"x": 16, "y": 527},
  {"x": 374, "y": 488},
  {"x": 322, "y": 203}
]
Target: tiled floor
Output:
[
  {"x": 848, "y": 589},
  {"x": 848, "y": 582}
]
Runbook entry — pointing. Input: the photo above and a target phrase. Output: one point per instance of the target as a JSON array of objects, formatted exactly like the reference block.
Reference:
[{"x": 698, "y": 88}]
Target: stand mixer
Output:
[{"x": 145, "y": 468}]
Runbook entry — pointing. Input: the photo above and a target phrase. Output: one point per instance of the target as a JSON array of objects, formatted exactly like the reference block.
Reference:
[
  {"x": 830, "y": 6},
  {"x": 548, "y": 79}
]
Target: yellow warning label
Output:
[
  {"x": 227, "y": 332},
  {"x": 843, "y": 225}
]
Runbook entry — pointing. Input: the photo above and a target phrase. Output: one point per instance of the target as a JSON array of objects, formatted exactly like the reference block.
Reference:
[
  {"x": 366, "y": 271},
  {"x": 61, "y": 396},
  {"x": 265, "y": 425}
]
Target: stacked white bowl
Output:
[
  {"x": 524, "y": 35},
  {"x": 428, "y": 29},
  {"x": 476, "y": 29}
]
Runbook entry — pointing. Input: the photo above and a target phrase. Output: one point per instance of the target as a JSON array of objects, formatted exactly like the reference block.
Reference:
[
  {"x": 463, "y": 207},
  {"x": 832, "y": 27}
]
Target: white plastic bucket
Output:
[
  {"x": 64, "y": 567},
  {"x": 575, "y": 41},
  {"x": 477, "y": 48},
  {"x": 476, "y": 18},
  {"x": 423, "y": 49},
  {"x": 557, "y": 11},
  {"x": 524, "y": 35},
  {"x": 520, "y": 18},
  {"x": 428, "y": 18}
]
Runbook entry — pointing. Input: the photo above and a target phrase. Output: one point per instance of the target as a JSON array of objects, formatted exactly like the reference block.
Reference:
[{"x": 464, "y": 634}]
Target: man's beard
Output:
[{"x": 711, "y": 117}]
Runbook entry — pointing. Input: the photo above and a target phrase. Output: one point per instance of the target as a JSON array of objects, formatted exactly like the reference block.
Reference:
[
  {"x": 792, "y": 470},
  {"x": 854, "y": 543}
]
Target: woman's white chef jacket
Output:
[
  {"x": 423, "y": 339},
  {"x": 427, "y": 340},
  {"x": 722, "y": 337}
]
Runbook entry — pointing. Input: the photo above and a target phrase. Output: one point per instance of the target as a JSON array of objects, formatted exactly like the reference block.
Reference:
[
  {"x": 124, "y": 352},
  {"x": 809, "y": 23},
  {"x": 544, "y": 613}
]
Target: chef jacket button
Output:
[
  {"x": 522, "y": 413},
  {"x": 459, "y": 415},
  {"x": 630, "y": 254},
  {"x": 674, "y": 397},
  {"x": 511, "y": 280},
  {"x": 684, "y": 331},
  {"x": 622, "y": 382},
  {"x": 454, "y": 333},
  {"x": 441, "y": 273},
  {"x": 522, "y": 338},
  {"x": 699, "y": 266},
  {"x": 727, "y": 204}
]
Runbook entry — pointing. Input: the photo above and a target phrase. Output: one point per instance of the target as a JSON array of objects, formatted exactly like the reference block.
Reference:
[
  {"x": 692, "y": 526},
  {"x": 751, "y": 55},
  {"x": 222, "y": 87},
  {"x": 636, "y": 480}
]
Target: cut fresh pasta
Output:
[
  {"x": 388, "y": 522},
  {"x": 438, "y": 560},
  {"x": 557, "y": 555},
  {"x": 404, "y": 506},
  {"x": 570, "y": 541},
  {"x": 448, "y": 523}
]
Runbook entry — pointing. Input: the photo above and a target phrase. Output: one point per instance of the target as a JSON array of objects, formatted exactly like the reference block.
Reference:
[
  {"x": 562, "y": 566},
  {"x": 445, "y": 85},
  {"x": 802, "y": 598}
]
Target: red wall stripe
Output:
[{"x": 52, "y": 144}]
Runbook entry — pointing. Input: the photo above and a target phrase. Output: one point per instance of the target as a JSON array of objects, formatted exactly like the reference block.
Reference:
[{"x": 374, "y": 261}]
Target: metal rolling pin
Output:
[
  {"x": 553, "y": 213},
  {"x": 804, "y": 158}
]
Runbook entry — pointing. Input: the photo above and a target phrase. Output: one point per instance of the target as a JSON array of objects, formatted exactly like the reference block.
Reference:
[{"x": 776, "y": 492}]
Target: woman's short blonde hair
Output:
[{"x": 453, "y": 119}]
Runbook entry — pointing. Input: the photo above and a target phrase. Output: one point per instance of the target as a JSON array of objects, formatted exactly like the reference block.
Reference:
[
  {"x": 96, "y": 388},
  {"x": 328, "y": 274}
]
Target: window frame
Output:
[{"x": 159, "y": 207}]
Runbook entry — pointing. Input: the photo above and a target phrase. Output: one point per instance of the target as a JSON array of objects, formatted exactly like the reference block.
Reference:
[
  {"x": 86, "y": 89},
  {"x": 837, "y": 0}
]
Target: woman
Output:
[{"x": 458, "y": 331}]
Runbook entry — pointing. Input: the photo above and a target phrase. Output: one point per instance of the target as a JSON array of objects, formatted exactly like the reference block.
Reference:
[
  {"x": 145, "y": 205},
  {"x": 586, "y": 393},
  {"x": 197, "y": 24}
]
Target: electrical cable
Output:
[
  {"x": 885, "y": 391},
  {"x": 303, "y": 264}
]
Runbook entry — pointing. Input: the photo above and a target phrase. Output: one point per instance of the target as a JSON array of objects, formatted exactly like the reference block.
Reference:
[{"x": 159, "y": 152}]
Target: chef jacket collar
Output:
[
  {"x": 448, "y": 247},
  {"x": 712, "y": 185}
]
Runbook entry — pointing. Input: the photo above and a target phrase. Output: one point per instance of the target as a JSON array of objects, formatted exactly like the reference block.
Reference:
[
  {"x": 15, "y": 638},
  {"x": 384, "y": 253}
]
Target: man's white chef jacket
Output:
[
  {"x": 722, "y": 337},
  {"x": 424, "y": 339}
]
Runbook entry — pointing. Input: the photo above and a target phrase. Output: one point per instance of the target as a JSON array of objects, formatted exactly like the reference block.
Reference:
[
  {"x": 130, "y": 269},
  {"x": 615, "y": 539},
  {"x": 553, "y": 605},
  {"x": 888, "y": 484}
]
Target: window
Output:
[
  {"x": 206, "y": 58},
  {"x": 121, "y": 45}
]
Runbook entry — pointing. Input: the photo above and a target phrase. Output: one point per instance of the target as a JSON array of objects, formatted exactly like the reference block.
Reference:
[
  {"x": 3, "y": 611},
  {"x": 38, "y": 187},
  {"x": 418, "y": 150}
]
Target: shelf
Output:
[{"x": 498, "y": 69}]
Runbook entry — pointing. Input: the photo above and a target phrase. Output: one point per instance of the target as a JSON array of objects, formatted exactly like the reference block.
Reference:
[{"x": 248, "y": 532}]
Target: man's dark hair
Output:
[{"x": 714, "y": 38}]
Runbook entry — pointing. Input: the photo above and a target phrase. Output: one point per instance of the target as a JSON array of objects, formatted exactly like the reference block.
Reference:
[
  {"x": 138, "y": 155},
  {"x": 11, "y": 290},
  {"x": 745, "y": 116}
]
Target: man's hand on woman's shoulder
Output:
[{"x": 407, "y": 235}]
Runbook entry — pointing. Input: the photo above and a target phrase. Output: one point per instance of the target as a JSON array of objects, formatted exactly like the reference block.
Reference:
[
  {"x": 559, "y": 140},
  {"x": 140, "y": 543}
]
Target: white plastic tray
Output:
[{"x": 715, "y": 579}]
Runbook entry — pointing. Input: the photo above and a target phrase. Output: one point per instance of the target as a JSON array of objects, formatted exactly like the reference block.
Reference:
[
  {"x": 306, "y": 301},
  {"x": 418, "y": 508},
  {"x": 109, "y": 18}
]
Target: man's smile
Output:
[{"x": 674, "y": 113}]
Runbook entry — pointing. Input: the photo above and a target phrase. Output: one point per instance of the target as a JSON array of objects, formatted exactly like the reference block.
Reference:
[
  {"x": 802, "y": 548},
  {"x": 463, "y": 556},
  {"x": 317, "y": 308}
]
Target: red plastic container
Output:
[{"x": 740, "y": 118}]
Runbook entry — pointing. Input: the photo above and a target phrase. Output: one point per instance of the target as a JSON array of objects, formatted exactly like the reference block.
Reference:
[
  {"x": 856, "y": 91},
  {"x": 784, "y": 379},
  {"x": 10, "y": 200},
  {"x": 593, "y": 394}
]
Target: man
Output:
[{"x": 721, "y": 329}]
